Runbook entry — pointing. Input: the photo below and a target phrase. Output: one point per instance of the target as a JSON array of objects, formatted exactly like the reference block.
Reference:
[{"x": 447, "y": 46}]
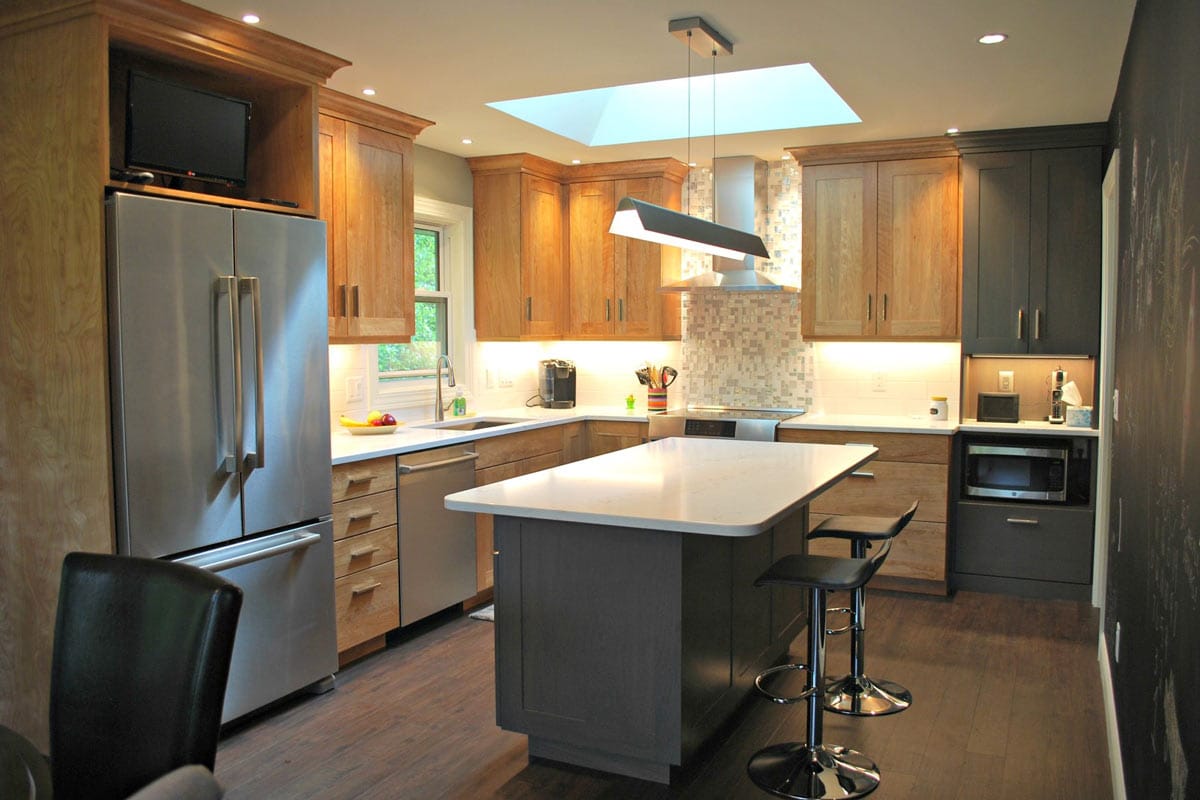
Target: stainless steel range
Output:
[{"x": 721, "y": 422}]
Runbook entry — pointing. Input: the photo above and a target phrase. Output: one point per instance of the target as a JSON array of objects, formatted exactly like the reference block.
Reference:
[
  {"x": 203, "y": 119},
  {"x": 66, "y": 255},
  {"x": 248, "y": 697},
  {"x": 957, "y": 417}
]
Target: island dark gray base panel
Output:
[{"x": 624, "y": 649}]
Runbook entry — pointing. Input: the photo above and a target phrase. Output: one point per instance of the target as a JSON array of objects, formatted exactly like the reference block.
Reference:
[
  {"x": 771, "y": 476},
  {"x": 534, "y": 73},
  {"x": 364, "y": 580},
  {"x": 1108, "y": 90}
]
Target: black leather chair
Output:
[
  {"x": 855, "y": 693},
  {"x": 812, "y": 769},
  {"x": 141, "y": 657}
]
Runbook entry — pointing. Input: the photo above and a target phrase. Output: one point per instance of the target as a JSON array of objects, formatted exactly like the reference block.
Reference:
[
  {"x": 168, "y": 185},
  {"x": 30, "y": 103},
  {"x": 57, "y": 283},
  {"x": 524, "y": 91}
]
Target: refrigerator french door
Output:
[{"x": 220, "y": 402}]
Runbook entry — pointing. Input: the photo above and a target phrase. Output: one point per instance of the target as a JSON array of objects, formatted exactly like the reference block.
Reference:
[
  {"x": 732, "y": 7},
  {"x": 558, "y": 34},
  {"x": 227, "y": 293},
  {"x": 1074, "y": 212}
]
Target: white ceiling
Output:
[{"x": 907, "y": 67}]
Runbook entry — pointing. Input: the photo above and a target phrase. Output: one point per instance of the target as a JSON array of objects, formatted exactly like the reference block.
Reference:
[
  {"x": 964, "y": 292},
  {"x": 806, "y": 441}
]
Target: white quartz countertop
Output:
[
  {"x": 346, "y": 447},
  {"x": 722, "y": 487},
  {"x": 912, "y": 423},
  {"x": 1026, "y": 426}
]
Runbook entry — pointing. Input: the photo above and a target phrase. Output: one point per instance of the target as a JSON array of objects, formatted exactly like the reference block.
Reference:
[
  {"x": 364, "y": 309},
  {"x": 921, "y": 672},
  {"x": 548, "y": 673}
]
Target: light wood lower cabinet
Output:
[
  {"x": 605, "y": 436},
  {"x": 501, "y": 458},
  {"x": 909, "y": 467},
  {"x": 366, "y": 574}
]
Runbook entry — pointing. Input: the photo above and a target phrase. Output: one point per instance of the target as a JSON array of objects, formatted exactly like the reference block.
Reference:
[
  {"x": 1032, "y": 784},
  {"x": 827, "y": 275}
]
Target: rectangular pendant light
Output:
[{"x": 638, "y": 219}]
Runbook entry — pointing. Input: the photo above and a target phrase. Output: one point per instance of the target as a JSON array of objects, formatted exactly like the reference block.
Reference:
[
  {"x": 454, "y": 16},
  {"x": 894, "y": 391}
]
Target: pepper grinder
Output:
[{"x": 1057, "y": 378}]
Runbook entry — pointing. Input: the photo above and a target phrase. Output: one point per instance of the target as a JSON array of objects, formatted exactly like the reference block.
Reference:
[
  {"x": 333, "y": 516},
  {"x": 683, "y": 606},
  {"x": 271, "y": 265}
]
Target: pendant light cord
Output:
[
  {"x": 713, "y": 170},
  {"x": 688, "y": 206}
]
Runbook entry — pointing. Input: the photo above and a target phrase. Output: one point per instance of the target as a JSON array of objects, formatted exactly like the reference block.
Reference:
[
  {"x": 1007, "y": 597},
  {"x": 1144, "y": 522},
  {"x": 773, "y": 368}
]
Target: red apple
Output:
[{"x": 387, "y": 419}]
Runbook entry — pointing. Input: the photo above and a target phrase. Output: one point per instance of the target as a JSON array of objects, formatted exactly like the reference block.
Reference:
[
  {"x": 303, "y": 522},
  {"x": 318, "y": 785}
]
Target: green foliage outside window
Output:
[{"x": 429, "y": 336}]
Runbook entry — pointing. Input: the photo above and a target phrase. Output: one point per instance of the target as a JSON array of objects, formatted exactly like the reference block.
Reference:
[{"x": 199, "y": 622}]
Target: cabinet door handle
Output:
[
  {"x": 868, "y": 307},
  {"x": 885, "y": 307},
  {"x": 1021, "y": 521},
  {"x": 363, "y": 588},
  {"x": 1037, "y": 324},
  {"x": 607, "y": 309},
  {"x": 529, "y": 308},
  {"x": 1020, "y": 324},
  {"x": 345, "y": 300},
  {"x": 353, "y": 479},
  {"x": 620, "y": 309},
  {"x": 356, "y": 307},
  {"x": 862, "y": 474},
  {"x": 363, "y": 551}
]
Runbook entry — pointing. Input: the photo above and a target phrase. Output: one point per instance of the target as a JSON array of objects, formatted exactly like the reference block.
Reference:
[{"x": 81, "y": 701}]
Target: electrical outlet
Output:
[
  {"x": 1006, "y": 380},
  {"x": 354, "y": 389},
  {"x": 504, "y": 380},
  {"x": 878, "y": 381},
  {"x": 1117, "y": 643}
]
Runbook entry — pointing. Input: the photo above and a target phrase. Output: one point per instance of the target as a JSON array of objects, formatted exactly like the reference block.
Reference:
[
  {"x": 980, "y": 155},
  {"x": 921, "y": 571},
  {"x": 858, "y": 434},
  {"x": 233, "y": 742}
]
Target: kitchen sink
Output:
[{"x": 470, "y": 424}]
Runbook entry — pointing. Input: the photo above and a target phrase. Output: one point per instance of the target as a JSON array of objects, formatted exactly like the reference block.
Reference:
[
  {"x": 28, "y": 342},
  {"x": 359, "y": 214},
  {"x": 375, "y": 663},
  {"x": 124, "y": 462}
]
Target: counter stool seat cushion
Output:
[
  {"x": 818, "y": 572},
  {"x": 870, "y": 528}
]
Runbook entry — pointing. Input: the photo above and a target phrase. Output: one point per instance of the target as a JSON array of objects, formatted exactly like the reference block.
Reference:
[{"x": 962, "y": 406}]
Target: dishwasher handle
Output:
[
  {"x": 299, "y": 543},
  {"x": 408, "y": 469}
]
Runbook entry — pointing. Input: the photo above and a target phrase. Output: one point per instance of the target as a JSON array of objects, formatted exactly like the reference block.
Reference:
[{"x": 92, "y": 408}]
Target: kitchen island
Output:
[{"x": 628, "y": 628}]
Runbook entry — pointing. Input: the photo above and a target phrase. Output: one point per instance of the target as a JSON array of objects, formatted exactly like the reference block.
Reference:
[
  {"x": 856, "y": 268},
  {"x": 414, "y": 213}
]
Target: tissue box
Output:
[{"x": 1079, "y": 416}]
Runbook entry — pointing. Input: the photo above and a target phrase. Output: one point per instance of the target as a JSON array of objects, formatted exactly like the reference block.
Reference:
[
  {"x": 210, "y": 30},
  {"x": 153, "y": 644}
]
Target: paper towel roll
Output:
[{"x": 1070, "y": 394}]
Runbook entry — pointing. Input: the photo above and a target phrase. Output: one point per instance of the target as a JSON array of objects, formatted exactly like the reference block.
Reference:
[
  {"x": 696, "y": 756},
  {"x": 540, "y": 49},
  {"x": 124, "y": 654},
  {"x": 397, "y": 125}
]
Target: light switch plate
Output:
[
  {"x": 354, "y": 389},
  {"x": 1006, "y": 380}
]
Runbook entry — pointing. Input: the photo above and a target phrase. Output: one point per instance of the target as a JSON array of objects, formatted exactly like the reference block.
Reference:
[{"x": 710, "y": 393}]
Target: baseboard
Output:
[{"x": 1115, "y": 765}]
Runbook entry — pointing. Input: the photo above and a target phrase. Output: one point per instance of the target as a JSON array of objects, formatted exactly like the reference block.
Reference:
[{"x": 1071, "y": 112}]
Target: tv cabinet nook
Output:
[{"x": 628, "y": 627}]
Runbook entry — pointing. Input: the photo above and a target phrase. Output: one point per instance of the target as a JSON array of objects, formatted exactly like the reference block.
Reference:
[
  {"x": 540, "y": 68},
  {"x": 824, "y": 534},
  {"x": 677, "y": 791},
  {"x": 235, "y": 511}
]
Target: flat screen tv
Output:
[{"x": 185, "y": 132}]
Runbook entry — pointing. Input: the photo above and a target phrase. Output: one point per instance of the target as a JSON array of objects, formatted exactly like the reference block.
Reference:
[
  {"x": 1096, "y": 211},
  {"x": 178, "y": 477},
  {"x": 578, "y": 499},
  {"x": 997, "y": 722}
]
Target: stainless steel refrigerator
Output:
[{"x": 220, "y": 402}]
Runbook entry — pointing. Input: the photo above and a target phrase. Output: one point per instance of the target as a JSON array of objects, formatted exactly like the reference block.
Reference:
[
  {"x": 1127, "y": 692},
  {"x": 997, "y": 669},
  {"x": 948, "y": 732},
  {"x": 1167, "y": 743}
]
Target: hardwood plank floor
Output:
[{"x": 1007, "y": 704}]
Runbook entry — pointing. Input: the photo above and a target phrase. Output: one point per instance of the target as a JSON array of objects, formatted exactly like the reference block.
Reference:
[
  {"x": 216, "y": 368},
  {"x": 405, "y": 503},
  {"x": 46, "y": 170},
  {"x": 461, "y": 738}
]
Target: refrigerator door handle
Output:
[
  {"x": 300, "y": 542},
  {"x": 227, "y": 285},
  {"x": 257, "y": 459}
]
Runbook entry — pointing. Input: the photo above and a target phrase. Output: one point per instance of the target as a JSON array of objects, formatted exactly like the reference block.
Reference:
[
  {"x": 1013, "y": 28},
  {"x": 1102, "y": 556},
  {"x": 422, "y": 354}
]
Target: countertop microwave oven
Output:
[{"x": 1040, "y": 470}]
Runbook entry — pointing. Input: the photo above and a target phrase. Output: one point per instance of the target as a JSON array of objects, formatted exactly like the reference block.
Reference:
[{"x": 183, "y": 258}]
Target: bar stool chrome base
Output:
[
  {"x": 863, "y": 697},
  {"x": 795, "y": 770}
]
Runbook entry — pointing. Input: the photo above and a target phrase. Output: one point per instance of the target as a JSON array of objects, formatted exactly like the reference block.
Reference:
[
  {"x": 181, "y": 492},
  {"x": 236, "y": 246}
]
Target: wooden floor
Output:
[{"x": 1007, "y": 704}]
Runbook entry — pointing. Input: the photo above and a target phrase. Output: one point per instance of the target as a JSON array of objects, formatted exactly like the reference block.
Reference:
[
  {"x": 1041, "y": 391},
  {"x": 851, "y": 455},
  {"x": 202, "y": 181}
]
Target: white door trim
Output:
[{"x": 1108, "y": 352}]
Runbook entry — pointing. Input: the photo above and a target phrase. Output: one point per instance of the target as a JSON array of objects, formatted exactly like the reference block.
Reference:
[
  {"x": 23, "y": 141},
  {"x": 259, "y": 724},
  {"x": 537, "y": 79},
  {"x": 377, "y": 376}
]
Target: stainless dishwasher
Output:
[{"x": 437, "y": 546}]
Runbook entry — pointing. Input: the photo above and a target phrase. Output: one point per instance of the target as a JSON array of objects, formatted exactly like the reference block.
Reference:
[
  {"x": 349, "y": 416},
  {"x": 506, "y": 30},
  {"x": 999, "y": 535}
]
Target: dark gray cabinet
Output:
[
  {"x": 1031, "y": 251},
  {"x": 1025, "y": 541}
]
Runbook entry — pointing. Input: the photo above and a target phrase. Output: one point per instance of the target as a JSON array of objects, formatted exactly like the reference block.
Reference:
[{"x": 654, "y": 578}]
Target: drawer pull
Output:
[
  {"x": 1021, "y": 521},
  {"x": 353, "y": 479},
  {"x": 862, "y": 474},
  {"x": 363, "y": 551},
  {"x": 361, "y": 517},
  {"x": 363, "y": 588}
]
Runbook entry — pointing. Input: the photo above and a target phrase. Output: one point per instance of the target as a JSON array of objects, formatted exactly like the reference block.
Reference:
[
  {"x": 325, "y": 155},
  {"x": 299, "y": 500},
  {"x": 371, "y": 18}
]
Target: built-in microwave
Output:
[{"x": 1043, "y": 471}]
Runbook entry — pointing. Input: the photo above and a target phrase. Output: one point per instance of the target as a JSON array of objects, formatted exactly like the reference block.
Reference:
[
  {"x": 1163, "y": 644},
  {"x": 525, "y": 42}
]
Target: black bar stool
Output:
[
  {"x": 812, "y": 769},
  {"x": 856, "y": 694}
]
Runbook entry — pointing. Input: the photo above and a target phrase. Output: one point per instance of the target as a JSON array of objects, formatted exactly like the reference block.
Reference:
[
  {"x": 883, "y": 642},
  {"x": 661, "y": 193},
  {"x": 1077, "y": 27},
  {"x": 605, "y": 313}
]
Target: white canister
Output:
[{"x": 938, "y": 410}]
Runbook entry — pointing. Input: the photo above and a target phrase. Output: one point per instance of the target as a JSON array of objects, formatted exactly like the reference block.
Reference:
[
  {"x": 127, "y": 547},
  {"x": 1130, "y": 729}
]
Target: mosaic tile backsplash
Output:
[{"x": 744, "y": 349}]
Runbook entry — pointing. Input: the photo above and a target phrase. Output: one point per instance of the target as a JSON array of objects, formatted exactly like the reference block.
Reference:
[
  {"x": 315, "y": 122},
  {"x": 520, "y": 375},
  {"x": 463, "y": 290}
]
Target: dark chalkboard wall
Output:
[{"x": 1154, "y": 580}]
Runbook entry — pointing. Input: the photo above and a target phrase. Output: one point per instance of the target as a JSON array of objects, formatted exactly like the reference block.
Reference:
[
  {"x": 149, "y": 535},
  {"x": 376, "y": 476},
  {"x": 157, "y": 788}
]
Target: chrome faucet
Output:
[{"x": 439, "y": 412}]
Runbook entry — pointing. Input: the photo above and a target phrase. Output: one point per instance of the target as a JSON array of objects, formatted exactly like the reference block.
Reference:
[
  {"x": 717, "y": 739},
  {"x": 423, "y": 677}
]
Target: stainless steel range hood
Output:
[{"x": 739, "y": 191}]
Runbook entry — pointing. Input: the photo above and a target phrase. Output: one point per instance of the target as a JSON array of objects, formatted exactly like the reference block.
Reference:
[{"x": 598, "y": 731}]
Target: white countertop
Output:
[
  {"x": 722, "y": 487},
  {"x": 1026, "y": 426},
  {"x": 913, "y": 423}
]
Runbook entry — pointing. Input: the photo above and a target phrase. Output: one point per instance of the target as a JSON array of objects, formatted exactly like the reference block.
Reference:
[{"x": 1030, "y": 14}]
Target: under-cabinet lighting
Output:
[
  {"x": 251, "y": 19},
  {"x": 993, "y": 38}
]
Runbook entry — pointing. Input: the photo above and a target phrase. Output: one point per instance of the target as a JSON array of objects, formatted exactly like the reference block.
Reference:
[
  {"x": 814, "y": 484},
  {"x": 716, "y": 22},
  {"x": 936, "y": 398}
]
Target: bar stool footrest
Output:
[
  {"x": 864, "y": 697},
  {"x": 775, "y": 698},
  {"x": 795, "y": 770},
  {"x": 849, "y": 626}
]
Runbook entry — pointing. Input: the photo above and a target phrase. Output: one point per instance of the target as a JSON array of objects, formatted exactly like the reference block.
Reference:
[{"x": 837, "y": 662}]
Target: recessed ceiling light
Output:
[
  {"x": 368, "y": 91},
  {"x": 251, "y": 19},
  {"x": 785, "y": 157},
  {"x": 691, "y": 163},
  {"x": 468, "y": 141},
  {"x": 576, "y": 161},
  {"x": 993, "y": 38},
  {"x": 951, "y": 131}
]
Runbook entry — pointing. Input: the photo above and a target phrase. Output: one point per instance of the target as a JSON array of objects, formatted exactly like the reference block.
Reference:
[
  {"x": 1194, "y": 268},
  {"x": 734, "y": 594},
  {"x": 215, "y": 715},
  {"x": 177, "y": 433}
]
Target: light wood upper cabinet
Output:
[
  {"x": 880, "y": 248},
  {"x": 614, "y": 280},
  {"x": 366, "y": 191},
  {"x": 520, "y": 248}
]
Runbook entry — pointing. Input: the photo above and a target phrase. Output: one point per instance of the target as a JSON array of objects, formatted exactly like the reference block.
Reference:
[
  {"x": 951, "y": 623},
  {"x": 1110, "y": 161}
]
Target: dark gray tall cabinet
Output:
[{"x": 1031, "y": 241}]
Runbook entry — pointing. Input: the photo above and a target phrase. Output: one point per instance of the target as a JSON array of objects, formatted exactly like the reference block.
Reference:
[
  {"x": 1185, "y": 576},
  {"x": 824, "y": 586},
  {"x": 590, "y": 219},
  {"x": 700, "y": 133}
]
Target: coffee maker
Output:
[
  {"x": 556, "y": 383},
  {"x": 1057, "y": 378}
]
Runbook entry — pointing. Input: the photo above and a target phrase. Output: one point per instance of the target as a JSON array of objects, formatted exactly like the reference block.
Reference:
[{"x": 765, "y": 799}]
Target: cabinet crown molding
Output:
[
  {"x": 892, "y": 150},
  {"x": 1050, "y": 136},
  {"x": 668, "y": 168},
  {"x": 373, "y": 115}
]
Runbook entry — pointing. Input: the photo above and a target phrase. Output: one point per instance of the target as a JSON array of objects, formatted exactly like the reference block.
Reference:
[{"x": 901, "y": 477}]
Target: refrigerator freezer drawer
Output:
[{"x": 286, "y": 637}]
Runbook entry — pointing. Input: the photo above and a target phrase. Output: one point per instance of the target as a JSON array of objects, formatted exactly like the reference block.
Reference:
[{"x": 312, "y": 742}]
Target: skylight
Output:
[{"x": 773, "y": 98}]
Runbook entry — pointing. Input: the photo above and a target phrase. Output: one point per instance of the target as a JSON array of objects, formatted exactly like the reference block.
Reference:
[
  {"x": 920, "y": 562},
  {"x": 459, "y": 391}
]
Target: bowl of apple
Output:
[{"x": 377, "y": 422}]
